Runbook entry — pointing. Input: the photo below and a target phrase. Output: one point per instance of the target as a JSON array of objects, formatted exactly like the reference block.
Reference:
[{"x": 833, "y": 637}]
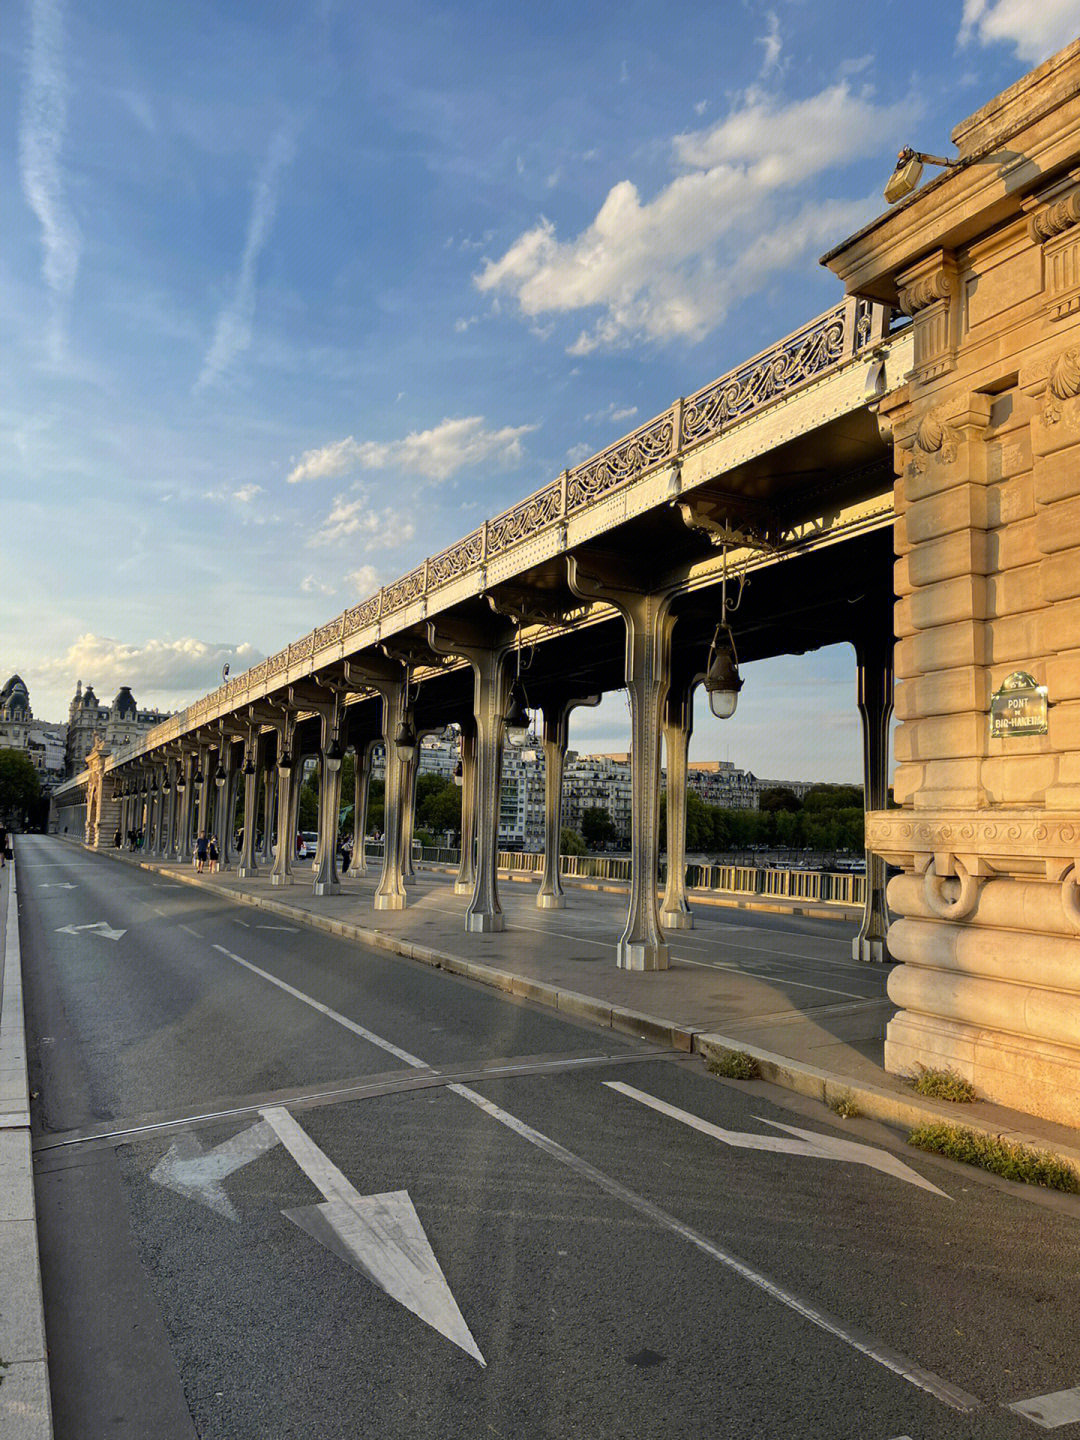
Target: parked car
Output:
[{"x": 307, "y": 844}]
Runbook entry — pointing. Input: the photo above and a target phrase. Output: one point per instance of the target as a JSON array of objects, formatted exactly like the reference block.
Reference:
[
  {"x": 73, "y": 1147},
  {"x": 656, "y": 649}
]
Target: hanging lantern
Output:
[
  {"x": 334, "y": 756},
  {"x": 517, "y": 719},
  {"x": 219, "y": 775},
  {"x": 722, "y": 679},
  {"x": 405, "y": 739}
]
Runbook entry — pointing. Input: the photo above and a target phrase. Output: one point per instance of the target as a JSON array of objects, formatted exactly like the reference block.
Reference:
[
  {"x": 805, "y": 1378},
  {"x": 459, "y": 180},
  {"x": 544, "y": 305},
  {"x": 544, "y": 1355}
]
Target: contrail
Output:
[
  {"x": 43, "y": 122},
  {"x": 232, "y": 334}
]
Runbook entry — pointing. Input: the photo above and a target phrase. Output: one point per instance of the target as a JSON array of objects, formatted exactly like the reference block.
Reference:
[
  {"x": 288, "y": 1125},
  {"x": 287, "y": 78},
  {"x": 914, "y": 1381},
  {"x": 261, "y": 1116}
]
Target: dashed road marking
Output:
[{"x": 1049, "y": 1412}]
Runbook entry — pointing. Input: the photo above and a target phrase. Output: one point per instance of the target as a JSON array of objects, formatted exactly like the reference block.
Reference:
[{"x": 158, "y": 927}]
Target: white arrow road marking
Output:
[
  {"x": 380, "y": 1235},
  {"x": 197, "y": 1174},
  {"x": 58, "y": 885},
  {"x": 810, "y": 1143},
  {"x": 101, "y": 928}
]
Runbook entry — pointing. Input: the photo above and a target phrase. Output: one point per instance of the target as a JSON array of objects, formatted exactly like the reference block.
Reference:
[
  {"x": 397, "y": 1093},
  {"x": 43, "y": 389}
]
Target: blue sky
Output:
[{"x": 293, "y": 295}]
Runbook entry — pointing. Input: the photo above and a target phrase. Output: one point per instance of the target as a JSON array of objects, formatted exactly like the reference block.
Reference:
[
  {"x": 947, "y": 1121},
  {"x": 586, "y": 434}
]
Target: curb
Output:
[
  {"x": 893, "y": 1107},
  {"x": 25, "y": 1402}
]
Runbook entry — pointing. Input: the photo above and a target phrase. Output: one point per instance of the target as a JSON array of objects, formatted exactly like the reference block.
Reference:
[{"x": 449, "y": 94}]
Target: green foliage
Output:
[
  {"x": 438, "y": 804},
  {"x": 20, "y": 787},
  {"x": 944, "y": 1085},
  {"x": 1002, "y": 1157},
  {"x": 571, "y": 843},
  {"x": 424, "y": 838},
  {"x": 734, "y": 1065},
  {"x": 375, "y": 813},
  {"x": 845, "y": 1105},
  {"x": 597, "y": 826},
  {"x": 778, "y": 798}
]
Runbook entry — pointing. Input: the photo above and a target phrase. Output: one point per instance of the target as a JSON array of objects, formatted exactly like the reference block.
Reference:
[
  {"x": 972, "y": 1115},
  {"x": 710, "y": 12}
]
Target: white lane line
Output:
[
  {"x": 810, "y": 1144},
  {"x": 780, "y": 979},
  {"x": 935, "y": 1385},
  {"x": 191, "y": 931},
  {"x": 1049, "y": 1412},
  {"x": 344, "y": 1020},
  {"x": 159, "y": 911},
  {"x": 244, "y": 923},
  {"x": 293, "y": 929}
]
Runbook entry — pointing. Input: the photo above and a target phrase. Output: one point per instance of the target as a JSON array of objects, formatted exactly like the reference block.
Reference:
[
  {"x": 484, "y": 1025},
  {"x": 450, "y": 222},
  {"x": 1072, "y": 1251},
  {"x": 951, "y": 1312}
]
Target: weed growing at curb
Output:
[
  {"x": 943, "y": 1085},
  {"x": 734, "y": 1065},
  {"x": 845, "y": 1105},
  {"x": 1002, "y": 1157}
]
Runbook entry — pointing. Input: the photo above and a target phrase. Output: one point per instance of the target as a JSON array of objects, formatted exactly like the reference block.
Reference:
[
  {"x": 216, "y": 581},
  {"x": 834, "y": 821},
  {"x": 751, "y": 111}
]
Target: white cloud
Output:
[
  {"x": 376, "y": 529},
  {"x": 1037, "y": 30},
  {"x": 311, "y": 585},
  {"x": 41, "y": 136},
  {"x": 232, "y": 333},
  {"x": 614, "y": 411},
  {"x": 462, "y": 323},
  {"x": 771, "y": 43},
  {"x": 672, "y": 266},
  {"x": 363, "y": 581},
  {"x": 433, "y": 454},
  {"x": 156, "y": 668},
  {"x": 247, "y": 493}
]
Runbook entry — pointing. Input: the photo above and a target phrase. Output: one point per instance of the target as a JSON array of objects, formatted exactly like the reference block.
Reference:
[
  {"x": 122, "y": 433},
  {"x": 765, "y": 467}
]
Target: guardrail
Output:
[{"x": 824, "y": 886}]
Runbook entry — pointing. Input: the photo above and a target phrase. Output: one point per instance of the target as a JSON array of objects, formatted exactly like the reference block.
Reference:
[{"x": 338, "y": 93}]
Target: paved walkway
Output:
[{"x": 782, "y": 986}]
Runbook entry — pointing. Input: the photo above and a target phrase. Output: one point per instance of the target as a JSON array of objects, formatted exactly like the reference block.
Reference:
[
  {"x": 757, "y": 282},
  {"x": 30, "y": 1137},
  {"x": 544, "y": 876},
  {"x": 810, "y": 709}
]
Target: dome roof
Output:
[
  {"x": 14, "y": 685},
  {"x": 124, "y": 707}
]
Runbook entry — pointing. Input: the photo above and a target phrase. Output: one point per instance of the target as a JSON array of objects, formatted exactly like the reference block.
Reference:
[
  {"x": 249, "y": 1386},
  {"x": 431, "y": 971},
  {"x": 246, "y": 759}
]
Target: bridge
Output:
[{"x": 932, "y": 418}]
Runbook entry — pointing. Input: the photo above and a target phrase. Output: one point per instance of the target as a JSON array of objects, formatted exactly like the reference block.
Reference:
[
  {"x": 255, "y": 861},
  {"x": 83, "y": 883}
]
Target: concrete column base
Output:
[
  {"x": 873, "y": 952},
  {"x": 326, "y": 887},
  {"x": 389, "y": 902},
  {"x": 677, "y": 919},
  {"x": 408, "y": 879},
  {"x": 281, "y": 879},
  {"x": 636, "y": 955},
  {"x": 551, "y": 902},
  {"x": 464, "y": 887},
  {"x": 482, "y": 924},
  {"x": 244, "y": 872}
]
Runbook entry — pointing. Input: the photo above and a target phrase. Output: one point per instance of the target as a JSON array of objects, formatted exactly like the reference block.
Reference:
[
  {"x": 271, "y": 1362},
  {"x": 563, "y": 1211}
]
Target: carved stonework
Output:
[
  {"x": 1063, "y": 383},
  {"x": 1062, "y": 215},
  {"x": 930, "y": 294},
  {"x": 1032, "y": 843}
]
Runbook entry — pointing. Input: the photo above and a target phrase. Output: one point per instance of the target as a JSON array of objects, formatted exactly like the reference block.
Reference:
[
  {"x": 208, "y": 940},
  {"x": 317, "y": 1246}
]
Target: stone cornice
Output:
[{"x": 987, "y": 842}]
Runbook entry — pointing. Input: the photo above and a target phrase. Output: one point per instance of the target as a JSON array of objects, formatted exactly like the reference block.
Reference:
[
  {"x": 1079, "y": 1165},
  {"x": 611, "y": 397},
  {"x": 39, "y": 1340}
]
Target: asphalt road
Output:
[{"x": 598, "y": 1240}]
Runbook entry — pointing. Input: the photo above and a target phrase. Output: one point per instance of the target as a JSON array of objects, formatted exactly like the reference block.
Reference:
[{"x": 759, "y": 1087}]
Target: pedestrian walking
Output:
[
  {"x": 214, "y": 855},
  {"x": 117, "y": 839},
  {"x": 5, "y": 846},
  {"x": 202, "y": 852}
]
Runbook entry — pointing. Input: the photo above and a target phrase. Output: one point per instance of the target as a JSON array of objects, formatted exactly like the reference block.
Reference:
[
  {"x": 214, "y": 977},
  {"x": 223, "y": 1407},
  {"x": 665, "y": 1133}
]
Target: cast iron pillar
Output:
[
  {"x": 875, "y": 700},
  {"x": 326, "y": 876},
  {"x": 281, "y": 873},
  {"x": 182, "y": 848},
  {"x": 387, "y": 678},
  {"x": 266, "y": 855},
  {"x": 675, "y": 912},
  {"x": 247, "y": 864},
  {"x": 409, "y": 781},
  {"x": 649, "y": 623},
  {"x": 556, "y": 738},
  {"x": 486, "y": 651},
  {"x": 465, "y": 883},
  {"x": 361, "y": 792}
]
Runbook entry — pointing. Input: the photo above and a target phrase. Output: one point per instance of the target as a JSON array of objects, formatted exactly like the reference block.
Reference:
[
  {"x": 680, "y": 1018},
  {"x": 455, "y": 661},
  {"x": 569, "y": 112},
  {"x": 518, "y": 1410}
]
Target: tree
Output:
[
  {"x": 571, "y": 843},
  {"x": 779, "y": 797},
  {"x": 443, "y": 811},
  {"x": 597, "y": 827},
  {"x": 20, "y": 787}
]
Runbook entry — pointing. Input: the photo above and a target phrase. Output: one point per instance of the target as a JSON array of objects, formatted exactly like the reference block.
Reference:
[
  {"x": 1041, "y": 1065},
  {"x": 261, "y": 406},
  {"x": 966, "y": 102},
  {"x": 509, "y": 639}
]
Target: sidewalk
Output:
[
  {"x": 25, "y": 1412},
  {"x": 566, "y": 959}
]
